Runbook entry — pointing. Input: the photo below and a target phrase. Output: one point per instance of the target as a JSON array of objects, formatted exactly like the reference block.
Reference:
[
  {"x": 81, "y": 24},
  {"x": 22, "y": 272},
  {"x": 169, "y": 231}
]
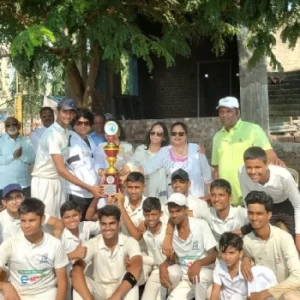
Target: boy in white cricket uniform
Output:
[
  {"x": 258, "y": 175},
  {"x": 154, "y": 237},
  {"x": 36, "y": 260},
  {"x": 107, "y": 252},
  {"x": 13, "y": 196},
  {"x": 49, "y": 170},
  {"x": 194, "y": 245}
]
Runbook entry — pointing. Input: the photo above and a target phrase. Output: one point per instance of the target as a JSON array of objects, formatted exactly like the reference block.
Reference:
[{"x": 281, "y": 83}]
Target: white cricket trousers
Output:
[
  {"x": 187, "y": 291},
  {"x": 51, "y": 191},
  {"x": 104, "y": 291},
  {"x": 154, "y": 290},
  {"x": 47, "y": 295}
]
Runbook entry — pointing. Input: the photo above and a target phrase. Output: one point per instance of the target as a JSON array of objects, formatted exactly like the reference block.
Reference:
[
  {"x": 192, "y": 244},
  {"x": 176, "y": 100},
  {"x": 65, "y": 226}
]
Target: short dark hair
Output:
[
  {"x": 229, "y": 239},
  {"x": 32, "y": 205},
  {"x": 69, "y": 205},
  {"x": 221, "y": 184},
  {"x": 85, "y": 113},
  {"x": 260, "y": 198},
  {"x": 100, "y": 115},
  {"x": 109, "y": 211},
  {"x": 185, "y": 128},
  {"x": 46, "y": 108},
  {"x": 151, "y": 203},
  {"x": 136, "y": 177},
  {"x": 255, "y": 153},
  {"x": 166, "y": 139},
  {"x": 174, "y": 205}
]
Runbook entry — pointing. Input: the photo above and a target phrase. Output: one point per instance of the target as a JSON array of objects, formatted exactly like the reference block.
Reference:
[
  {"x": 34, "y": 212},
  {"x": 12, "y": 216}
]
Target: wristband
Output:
[{"x": 130, "y": 278}]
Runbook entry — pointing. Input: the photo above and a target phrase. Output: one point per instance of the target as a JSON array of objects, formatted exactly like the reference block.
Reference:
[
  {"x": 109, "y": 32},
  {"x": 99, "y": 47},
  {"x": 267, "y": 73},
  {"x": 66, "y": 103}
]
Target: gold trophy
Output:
[{"x": 111, "y": 179}]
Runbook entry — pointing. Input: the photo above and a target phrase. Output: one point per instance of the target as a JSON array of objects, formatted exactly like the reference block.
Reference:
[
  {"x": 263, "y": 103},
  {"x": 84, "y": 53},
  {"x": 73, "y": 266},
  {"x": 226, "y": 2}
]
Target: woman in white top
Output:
[
  {"x": 125, "y": 150},
  {"x": 181, "y": 154},
  {"x": 156, "y": 183},
  {"x": 84, "y": 159}
]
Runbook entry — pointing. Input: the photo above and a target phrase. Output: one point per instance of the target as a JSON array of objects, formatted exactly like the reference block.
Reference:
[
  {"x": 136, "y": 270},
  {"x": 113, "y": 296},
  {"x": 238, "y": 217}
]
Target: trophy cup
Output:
[{"x": 111, "y": 180}]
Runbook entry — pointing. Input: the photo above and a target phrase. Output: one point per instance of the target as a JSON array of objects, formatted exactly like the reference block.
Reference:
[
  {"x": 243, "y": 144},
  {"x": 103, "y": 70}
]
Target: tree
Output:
[{"x": 81, "y": 33}]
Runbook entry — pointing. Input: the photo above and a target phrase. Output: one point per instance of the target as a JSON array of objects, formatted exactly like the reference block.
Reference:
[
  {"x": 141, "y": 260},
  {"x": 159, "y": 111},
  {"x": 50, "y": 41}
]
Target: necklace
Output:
[{"x": 179, "y": 153}]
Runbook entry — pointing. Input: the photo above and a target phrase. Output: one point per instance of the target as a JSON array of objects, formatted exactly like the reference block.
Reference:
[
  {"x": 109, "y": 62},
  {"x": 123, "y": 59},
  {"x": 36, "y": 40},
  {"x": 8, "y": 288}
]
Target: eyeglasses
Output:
[
  {"x": 175, "y": 133},
  {"x": 15, "y": 124},
  {"x": 160, "y": 134},
  {"x": 17, "y": 198},
  {"x": 85, "y": 123}
]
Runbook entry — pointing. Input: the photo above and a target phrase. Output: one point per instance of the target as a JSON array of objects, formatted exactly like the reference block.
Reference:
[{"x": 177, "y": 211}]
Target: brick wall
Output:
[{"x": 202, "y": 130}]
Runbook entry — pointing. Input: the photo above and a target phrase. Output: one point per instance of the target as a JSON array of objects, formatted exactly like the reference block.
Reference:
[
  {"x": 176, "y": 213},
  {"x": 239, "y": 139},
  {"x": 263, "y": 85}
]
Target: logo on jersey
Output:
[{"x": 195, "y": 245}]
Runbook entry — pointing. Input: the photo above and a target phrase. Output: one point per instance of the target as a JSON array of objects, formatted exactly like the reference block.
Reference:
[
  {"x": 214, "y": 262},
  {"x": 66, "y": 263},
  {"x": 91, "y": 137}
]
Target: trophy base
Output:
[{"x": 111, "y": 184}]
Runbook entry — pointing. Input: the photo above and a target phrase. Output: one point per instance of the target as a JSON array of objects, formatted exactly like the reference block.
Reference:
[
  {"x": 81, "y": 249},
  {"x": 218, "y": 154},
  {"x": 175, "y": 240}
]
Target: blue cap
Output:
[
  {"x": 67, "y": 104},
  {"x": 14, "y": 187}
]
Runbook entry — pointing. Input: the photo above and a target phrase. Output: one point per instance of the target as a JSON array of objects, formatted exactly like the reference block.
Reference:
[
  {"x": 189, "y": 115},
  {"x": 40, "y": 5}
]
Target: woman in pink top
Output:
[{"x": 181, "y": 154}]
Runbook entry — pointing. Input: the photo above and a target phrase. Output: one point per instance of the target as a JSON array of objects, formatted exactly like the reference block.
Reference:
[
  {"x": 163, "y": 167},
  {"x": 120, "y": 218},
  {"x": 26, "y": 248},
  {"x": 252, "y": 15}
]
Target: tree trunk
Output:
[
  {"x": 75, "y": 87},
  {"x": 89, "y": 92},
  {"x": 253, "y": 86}
]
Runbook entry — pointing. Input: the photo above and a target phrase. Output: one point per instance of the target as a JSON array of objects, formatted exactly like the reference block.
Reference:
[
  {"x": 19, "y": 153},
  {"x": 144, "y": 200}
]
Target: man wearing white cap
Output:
[
  {"x": 230, "y": 143},
  {"x": 194, "y": 245}
]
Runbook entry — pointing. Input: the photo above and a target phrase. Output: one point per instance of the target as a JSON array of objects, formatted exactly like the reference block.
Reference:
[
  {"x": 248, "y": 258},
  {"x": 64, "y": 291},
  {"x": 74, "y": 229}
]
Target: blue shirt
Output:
[
  {"x": 15, "y": 170},
  {"x": 97, "y": 139}
]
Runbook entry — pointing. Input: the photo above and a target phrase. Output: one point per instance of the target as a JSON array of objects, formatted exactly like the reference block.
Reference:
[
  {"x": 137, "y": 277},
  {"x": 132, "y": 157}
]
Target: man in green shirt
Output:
[{"x": 230, "y": 143}]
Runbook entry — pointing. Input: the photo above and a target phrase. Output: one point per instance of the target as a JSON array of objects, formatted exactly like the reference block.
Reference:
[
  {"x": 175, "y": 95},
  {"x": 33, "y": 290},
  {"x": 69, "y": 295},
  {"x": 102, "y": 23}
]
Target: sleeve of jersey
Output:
[
  {"x": 260, "y": 138},
  {"x": 61, "y": 258},
  {"x": 54, "y": 144},
  {"x": 242, "y": 179},
  {"x": 6, "y": 252},
  {"x": 216, "y": 276},
  {"x": 133, "y": 248},
  {"x": 209, "y": 240},
  {"x": 94, "y": 227},
  {"x": 91, "y": 250}
]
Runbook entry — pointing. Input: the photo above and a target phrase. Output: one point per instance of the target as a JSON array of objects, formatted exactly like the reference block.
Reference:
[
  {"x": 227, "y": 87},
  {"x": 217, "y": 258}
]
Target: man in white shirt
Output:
[
  {"x": 111, "y": 278},
  {"x": 49, "y": 170},
  {"x": 13, "y": 196},
  {"x": 47, "y": 118},
  {"x": 194, "y": 245},
  {"x": 276, "y": 181},
  {"x": 271, "y": 247},
  {"x": 36, "y": 260},
  {"x": 16, "y": 156}
]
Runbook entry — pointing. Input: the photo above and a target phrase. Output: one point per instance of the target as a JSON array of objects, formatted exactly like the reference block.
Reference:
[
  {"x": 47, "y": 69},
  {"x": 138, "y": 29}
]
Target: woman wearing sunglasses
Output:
[
  {"x": 84, "y": 159},
  {"x": 184, "y": 155},
  {"x": 156, "y": 138}
]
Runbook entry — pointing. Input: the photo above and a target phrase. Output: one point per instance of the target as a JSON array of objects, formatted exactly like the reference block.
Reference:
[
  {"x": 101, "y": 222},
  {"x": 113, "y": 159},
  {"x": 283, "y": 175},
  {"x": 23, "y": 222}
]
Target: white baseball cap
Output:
[
  {"x": 229, "y": 102},
  {"x": 178, "y": 199}
]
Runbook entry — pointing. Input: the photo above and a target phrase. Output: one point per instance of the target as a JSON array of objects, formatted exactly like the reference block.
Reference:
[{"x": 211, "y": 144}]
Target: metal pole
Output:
[{"x": 198, "y": 89}]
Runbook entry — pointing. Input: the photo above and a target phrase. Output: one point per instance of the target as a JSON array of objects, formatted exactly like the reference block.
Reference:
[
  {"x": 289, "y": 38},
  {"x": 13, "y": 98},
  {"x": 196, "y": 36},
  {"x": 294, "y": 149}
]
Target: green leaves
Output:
[{"x": 34, "y": 36}]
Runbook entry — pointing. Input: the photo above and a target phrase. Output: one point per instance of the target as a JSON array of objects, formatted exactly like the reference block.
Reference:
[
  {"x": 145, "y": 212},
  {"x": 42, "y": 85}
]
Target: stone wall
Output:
[{"x": 202, "y": 130}]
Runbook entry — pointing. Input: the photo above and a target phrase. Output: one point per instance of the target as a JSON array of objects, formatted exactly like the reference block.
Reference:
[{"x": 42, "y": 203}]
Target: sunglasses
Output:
[
  {"x": 15, "y": 124},
  {"x": 160, "y": 134},
  {"x": 85, "y": 123},
  {"x": 180, "y": 133}
]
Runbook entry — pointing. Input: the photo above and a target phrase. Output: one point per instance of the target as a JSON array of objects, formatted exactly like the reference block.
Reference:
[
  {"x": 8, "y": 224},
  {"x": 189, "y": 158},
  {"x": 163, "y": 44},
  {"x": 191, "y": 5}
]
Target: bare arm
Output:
[
  {"x": 216, "y": 172},
  {"x": 62, "y": 283},
  {"x": 91, "y": 213},
  {"x": 78, "y": 280},
  {"x": 216, "y": 292},
  {"x": 63, "y": 172},
  {"x": 8, "y": 291},
  {"x": 57, "y": 226},
  {"x": 273, "y": 158},
  {"x": 135, "y": 268}
]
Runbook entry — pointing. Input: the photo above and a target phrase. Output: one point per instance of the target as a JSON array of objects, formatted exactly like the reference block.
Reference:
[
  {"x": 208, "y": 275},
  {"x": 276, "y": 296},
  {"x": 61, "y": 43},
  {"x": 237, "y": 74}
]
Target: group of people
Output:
[{"x": 179, "y": 228}]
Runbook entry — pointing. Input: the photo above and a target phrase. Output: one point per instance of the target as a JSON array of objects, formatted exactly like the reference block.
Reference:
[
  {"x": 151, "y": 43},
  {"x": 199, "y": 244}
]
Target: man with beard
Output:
[
  {"x": 230, "y": 143},
  {"x": 47, "y": 118},
  {"x": 16, "y": 155}
]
